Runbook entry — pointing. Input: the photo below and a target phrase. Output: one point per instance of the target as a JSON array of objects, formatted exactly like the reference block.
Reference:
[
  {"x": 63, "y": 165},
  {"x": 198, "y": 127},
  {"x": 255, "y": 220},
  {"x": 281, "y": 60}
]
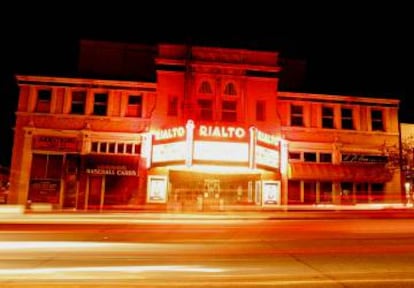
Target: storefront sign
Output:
[
  {"x": 111, "y": 165},
  {"x": 364, "y": 158},
  {"x": 170, "y": 133},
  {"x": 44, "y": 191},
  {"x": 55, "y": 143},
  {"x": 221, "y": 131},
  {"x": 267, "y": 138},
  {"x": 119, "y": 170}
]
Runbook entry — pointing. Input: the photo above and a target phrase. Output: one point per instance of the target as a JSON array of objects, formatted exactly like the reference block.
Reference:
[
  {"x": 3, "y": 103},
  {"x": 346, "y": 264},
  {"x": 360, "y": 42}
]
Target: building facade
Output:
[{"x": 210, "y": 132}]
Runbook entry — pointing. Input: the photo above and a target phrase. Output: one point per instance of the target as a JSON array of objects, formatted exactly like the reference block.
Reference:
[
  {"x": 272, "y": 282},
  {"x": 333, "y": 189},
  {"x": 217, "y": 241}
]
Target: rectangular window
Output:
[
  {"x": 205, "y": 107},
  {"x": 172, "y": 106},
  {"x": 229, "y": 111},
  {"x": 78, "y": 102},
  {"x": 294, "y": 192},
  {"x": 309, "y": 156},
  {"x": 134, "y": 108},
  {"x": 327, "y": 117},
  {"x": 347, "y": 120},
  {"x": 376, "y": 120},
  {"x": 325, "y": 192},
  {"x": 309, "y": 192},
  {"x": 296, "y": 115},
  {"x": 94, "y": 147},
  {"x": 43, "y": 101},
  {"x": 294, "y": 155},
  {"x": 325, "y": 157},
  {"x": 260, "y": 111},
  {"x": 100, "y": 104}
]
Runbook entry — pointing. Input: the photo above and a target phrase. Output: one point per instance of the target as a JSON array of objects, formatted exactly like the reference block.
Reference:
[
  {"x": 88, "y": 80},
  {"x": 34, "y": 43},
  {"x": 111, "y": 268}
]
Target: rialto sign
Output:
[{"x": 214, "y": 131}]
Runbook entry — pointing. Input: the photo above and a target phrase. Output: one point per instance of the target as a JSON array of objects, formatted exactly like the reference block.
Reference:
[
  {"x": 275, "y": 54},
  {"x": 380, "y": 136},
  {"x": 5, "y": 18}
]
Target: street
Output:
[{"x": 128, "y": 251}]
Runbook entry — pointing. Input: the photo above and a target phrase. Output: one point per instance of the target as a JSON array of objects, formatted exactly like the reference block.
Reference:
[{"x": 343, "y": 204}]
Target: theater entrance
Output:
[{"x": 191, "y": 191}]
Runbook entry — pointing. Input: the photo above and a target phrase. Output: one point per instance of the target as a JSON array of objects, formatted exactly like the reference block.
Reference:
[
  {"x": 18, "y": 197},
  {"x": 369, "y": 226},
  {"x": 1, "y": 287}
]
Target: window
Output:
[
  {"x": 115, "y": 148},
  {"x": 229, "y": 111},
  {"x": 260, "y": 111},
  {"x": 205, "y": 88},
  {"x": 296, "y": 115},
  {"x": 376, "y": 120},
  {"x": 325, "y": 157},
  {"x": 230, "y": 89},
  {"x": 134, "y": 108},
  {"x": 78, "y": 102},
  {"x": 347, "y": 121},
  {"x": 325, "y": 192},
  {"x": 100, "y": 104},
  {"x": 172, "y": 106},
  {"x": 205, "y": 107},
  {"x": 294, "y": 155},
  {"x": 327, "y": 117},
  {"x": 309, "y": 156},
  {"x": 43, "y": 101}
]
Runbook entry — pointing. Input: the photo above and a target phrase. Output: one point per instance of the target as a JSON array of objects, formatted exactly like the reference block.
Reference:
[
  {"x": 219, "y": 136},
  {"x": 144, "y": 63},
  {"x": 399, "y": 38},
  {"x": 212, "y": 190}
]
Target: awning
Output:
[{"x": 340, "y": 172}]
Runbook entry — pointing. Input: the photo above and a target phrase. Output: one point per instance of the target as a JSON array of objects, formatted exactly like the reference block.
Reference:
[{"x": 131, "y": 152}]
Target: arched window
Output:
[
  {"x": 205, "y": 88},
  {"x": 230, "y": 89}
]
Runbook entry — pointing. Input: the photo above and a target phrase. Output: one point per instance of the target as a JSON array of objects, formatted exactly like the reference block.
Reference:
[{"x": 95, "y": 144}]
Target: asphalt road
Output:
[{"x": 206, "y": 252}]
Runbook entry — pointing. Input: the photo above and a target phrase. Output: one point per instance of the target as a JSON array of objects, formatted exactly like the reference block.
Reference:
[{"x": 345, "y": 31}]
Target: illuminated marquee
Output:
[
  {"x": 267, "y": 138},
  {"x": 215, "y": 143},
  {"x": 169, "y": 133}
]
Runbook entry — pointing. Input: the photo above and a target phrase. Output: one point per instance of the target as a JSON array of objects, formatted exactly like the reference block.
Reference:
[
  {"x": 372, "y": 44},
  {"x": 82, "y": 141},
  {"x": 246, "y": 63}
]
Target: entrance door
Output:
[{"x": 211, "y": 194}]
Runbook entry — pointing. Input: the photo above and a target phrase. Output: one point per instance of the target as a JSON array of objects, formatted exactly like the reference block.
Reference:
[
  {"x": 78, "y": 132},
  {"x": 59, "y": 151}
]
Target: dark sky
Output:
[{"x": 349, "y": 49}]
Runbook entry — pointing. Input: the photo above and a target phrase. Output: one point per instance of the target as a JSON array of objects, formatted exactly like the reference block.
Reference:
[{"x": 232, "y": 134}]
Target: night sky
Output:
[{"x": 348, "y": 50}]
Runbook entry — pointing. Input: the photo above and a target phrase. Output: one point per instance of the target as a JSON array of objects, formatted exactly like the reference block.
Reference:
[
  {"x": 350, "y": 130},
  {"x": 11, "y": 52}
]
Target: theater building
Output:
[{"x": 211, "y": 131}]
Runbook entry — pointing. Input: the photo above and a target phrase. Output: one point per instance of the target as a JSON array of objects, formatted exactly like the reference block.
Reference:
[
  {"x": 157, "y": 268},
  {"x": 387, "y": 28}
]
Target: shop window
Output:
[
  {"x": 128, "y": 148},
  {"x": 78, "y": 102},
  {"x": 260, "y": 111},
  {"x": 296, "y": 115},
  {"x": 205, "y": 107},
  {"x": 377, "y": 192},
  {"x": 103, "y": 147},
  {"x": 100, "y": 104},
  {"x": 347, "y": 192},
  {"x": 134, "y": 108},
  {"x": 45, "y": 178},
  {"x": 377, "y": 123},
  {"x": 309, "y": 192},
  {"x": 43, "y": 101},
  {"x": 229, "y": 111},
  {"x": 325, "y": 192},
  {"x": 294, "y": 192},
  {"x": 361, "y": 191},
  {"x": 309, "y": 156},
  {"x": 121, "y": 148},
  {"x": 294, "y": 156},
  {"x": 325, "y": 157},
  {"x": 94, "y": 147},
  {"x": 137, "y": 149},
  {"x": 205, "y": 88},
  {"x": 111, "y": 147},
  {"x": 347, "y": 120},
  {"x": 327, "y": 117},
  {"x": 230, "y": 89},
  {"x": 172, "y": 106}
]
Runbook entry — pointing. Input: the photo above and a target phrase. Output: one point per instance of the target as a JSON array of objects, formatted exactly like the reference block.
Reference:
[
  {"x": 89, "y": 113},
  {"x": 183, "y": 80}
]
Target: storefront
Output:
[{"x": 212, "y": 167}]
